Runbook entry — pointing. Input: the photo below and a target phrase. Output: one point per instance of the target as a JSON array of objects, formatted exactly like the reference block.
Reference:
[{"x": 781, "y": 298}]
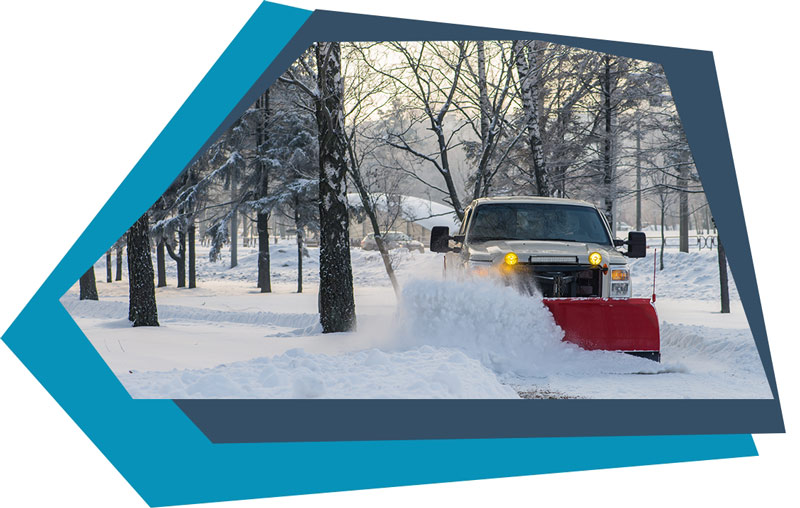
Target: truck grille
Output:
[{"x": 560, "y": 281}]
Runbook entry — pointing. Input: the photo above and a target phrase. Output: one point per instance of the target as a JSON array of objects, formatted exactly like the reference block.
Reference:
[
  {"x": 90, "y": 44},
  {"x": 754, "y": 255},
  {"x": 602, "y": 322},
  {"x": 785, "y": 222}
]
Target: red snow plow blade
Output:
[{"x": 629, "y": 325}]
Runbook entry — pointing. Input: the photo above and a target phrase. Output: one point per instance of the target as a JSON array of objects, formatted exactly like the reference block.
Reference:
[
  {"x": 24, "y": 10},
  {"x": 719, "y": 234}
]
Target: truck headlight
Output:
[
  {"x": 620, "y": 289},
  {"x": 620, "y": 283}
]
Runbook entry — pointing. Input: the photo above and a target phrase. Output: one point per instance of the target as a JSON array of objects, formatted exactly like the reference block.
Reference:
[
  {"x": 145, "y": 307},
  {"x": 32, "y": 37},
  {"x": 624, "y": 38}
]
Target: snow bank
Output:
[
  {"x": 692, "y": 275},
  {"x": 368, "y": 269},
  {"x": 511, "y": 334},
  {"x": 106, "y": 309},
  {"x": 714, "y": 349},
  {"x": 422, "y": 372}
]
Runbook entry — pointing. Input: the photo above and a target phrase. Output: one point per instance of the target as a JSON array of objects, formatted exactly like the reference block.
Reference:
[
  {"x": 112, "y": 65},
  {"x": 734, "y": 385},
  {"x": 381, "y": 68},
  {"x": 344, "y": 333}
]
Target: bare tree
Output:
[
  {"x": 525, "y": 53},
  {"x": 485, "y": 98},
  {"x": 425, "y": 79},
  {"x": 662, "y": 193},
  {"x": 556, "y": 99},
  {"x": 364, "y": 97}
]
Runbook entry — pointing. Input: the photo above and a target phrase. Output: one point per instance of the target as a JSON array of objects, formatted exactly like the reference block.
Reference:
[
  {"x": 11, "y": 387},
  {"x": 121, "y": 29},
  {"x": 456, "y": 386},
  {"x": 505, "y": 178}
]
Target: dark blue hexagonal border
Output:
[{"x": 168, "y": 459}]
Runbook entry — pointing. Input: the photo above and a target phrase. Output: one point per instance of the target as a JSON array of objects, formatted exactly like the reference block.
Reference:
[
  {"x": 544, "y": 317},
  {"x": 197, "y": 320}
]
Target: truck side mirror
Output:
[
  {"x": 637, "y": 244},
  {"x": 440, "y": 237}
]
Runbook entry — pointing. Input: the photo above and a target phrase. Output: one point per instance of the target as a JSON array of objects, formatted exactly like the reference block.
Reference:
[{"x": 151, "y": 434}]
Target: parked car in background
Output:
[{"x": 392, "y": 240}]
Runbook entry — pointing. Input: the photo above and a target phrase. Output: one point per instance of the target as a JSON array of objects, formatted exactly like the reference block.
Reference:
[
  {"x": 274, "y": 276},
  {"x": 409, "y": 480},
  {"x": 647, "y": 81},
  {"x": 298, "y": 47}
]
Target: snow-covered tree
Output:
[
  {"x": 291, "y": 156},
  {"x": 262, "y": 108},
  {"x": 526, "y": 55},
  {"x": 336, "y": 301},
  {"x": 485, "y": 99},
  {"x": 323, "y": 84}
]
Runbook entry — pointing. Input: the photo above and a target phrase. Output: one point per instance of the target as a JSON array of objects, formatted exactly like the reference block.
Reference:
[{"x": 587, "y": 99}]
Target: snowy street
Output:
[{"x": 447, "y": 339}]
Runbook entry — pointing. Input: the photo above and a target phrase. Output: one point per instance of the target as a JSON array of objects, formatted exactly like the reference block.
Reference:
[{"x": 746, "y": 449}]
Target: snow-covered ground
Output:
[{"x": 439, "y": 339}]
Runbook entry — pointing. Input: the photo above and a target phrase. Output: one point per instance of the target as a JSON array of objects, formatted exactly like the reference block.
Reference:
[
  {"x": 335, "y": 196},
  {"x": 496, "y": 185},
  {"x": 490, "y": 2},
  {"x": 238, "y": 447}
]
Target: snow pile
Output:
[
  {"x": 716, "y": 349},
  {"x": 685, "y": 275},
  {"x": 510, "y": 333},
  {"x": 423, "y": 372}
]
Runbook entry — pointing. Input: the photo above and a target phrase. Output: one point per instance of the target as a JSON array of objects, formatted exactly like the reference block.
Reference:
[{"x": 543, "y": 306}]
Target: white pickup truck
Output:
[{"x": 562, "y": 249}]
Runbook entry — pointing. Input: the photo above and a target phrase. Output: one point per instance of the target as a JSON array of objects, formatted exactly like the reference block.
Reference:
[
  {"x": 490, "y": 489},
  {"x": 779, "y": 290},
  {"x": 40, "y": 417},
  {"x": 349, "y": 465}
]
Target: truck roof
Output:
[{"x": 531, "y": 199}]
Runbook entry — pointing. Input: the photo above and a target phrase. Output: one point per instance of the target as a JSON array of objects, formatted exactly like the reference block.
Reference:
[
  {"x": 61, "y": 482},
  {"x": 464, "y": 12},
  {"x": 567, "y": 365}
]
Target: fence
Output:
[{"x": 698, "y": 242}]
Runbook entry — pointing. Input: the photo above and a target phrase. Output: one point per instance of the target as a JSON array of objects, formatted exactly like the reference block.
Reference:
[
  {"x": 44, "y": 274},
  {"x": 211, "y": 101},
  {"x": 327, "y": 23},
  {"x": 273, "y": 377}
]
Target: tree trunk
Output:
[
  {"x": 529, "y": 91},
  {"x": 234, "y": 224},
  {"x": 683, "y": 184},
  {"x": 142, "y": 310},
  {"x": 608, "y": 159},
  {"x": 638, "y": 174},
  {"x": 724, "y": 296},
  {"x": 179, "y": 258},
  {"x": 663, "y": 238},
  {"x": 88, "y": 285},
  {"x": 192, "y": 257},
  {"x": 264, "y": 281},
  {"x": 369, "y": 210},
  {"x": 698, "y": 228},
  {"x": 336, "y": 301},
  {"x": 299, "y": 229},
  {"x": 119, "y": 262},
  {"x": 161, "y": 268},
  {"x": 109, "y": 275},
  {"x": 480, "y": 176},
  {"x": 262, "y": 218},
  {"x": 438, "y": 127}
]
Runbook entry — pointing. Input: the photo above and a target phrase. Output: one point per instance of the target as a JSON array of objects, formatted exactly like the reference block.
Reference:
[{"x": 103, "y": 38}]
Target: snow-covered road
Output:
[{"x": 446, "y": 339}]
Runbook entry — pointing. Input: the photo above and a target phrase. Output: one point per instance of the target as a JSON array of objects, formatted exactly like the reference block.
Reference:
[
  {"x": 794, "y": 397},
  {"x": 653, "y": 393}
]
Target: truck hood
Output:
[{"x": 495, "y": 250}]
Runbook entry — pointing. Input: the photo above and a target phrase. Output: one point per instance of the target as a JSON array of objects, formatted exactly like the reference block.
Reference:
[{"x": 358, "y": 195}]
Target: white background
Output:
[{"x": 85, "y": 87}]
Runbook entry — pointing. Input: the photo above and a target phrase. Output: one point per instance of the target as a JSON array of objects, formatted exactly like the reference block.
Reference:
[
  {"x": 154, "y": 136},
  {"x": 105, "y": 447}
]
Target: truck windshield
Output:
[{"x": 537, "y": 221}]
